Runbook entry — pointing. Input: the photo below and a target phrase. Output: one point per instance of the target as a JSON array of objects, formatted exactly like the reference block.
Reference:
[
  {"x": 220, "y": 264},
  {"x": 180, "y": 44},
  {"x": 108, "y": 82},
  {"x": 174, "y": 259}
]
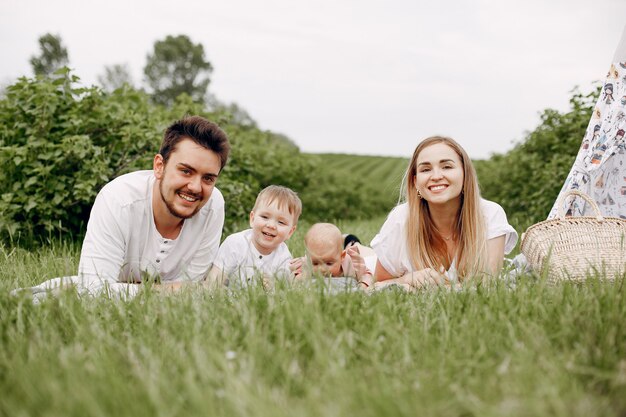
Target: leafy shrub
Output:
[
  {"x": 526, "y": 180},
  {"x": 60, "y": 143}
]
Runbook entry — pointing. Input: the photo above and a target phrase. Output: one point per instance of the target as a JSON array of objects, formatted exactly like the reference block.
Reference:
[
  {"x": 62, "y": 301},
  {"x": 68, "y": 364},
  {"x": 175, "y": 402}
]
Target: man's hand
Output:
[
  {"x": 215, "y": 278},
  {"x": 171, "y": 287}
]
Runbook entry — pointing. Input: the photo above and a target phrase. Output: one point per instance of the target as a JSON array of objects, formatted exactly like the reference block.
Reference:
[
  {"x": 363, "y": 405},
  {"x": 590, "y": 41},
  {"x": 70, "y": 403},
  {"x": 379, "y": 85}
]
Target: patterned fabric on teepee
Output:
[{"x": 600, "y": 167}]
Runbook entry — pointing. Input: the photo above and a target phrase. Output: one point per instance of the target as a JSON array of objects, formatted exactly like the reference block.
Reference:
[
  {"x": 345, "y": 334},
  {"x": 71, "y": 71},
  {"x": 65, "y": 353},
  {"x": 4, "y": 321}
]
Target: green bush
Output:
[
  {"x": 526, "y": 180},
  {"x": 60, "y": 143}
]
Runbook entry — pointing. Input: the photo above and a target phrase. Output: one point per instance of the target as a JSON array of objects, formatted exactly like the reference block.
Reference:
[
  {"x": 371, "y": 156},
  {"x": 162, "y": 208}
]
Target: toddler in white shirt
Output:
[{"x": 261, "y": 250}]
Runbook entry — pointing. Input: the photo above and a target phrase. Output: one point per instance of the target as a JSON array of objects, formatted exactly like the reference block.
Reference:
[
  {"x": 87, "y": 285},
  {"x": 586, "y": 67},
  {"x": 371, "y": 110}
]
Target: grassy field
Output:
[
  {"x": 379, "y": 177},
  {"x": 379, "y": 172},
  {"x": 489, "y": 351}
]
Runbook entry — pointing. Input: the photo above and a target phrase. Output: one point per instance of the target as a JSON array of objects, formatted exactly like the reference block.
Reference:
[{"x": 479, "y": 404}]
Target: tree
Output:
[
  {"x": 115, "y": 76},
  {"x": 238, "y": 115},
  {"x": 53, "y": 55},
  {"x": 177, "y": 66}
]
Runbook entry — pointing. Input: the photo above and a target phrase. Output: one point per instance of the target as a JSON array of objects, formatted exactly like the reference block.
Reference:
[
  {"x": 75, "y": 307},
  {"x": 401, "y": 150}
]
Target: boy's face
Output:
[
  {"x": 325, "y": 259},
  {"x": 271, "y": 225}
]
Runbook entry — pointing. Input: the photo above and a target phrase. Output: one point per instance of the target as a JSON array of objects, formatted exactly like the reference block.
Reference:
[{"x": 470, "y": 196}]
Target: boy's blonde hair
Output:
[
  {"x": 322, "y": 234},
  {"x": 283, "y": 196}
]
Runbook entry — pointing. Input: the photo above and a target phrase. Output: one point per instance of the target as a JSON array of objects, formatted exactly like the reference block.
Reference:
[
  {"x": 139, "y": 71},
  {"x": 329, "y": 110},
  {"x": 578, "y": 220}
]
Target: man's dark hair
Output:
[{"x": 201, "y": 131}]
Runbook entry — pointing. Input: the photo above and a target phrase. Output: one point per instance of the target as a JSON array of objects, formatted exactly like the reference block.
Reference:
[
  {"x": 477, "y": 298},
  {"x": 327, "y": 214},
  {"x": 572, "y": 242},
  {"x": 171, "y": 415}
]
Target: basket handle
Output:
[{"x": 582, "y": 195}]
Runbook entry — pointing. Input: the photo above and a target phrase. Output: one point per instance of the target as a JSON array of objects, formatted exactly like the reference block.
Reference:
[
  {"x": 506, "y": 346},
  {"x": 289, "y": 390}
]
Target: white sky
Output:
[{"x": 352, "y": 76}]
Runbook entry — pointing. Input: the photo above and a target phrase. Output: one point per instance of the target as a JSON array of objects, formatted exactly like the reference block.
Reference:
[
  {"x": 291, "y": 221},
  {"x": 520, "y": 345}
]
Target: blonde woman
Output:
[{"x": 444, "y": 232}]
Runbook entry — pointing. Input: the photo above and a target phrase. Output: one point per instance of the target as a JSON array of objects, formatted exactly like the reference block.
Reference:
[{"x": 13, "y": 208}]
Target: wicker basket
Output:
[{"x": 572, "y": 248}]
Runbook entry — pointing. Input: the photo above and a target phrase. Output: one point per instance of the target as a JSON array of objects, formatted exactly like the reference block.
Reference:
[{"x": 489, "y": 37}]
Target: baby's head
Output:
[
  {"x": 324, "y": 246},
  {"x": 274, "y": 217}
]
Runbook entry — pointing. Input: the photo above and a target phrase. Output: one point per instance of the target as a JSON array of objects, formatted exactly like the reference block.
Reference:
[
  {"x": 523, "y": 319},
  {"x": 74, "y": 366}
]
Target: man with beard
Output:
[{"x": 163, "y": 224}]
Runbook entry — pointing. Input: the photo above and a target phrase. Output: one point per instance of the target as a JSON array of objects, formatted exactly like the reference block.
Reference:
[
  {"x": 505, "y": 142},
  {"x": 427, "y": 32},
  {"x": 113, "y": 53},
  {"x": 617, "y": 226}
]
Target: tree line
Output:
[
  {"x": 59, "y": 143},
  {"x": 176, "y": 65}
]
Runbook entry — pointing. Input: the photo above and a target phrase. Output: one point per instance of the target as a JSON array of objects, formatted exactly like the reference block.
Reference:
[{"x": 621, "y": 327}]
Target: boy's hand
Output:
[
  {"x": 358, "y": 263},
  {"x": 295, "y": 266},
  {"x": 268, "y": 282}
]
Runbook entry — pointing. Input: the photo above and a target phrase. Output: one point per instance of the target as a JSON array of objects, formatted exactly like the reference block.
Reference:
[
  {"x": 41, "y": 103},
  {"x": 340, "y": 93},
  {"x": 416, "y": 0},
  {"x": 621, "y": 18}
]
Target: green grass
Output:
[
  {"x": 382, "y": 174},
  {"x": 379, "y": 176},
  {"x": 492, "y": 351}
]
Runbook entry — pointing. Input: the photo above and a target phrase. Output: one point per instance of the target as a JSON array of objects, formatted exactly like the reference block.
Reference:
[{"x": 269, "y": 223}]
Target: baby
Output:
[
  {"x": 260, "y": 250},
  {"x": 324, "y": 245}
]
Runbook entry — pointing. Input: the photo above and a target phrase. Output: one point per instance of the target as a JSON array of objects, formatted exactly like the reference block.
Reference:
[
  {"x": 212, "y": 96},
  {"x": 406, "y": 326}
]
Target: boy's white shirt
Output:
[{"x": 238, "y": 259}]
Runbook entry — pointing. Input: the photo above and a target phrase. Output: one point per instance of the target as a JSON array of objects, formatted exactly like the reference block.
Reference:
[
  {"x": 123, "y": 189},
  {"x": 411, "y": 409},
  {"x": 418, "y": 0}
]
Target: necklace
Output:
[{"x": 446, "y": 238}]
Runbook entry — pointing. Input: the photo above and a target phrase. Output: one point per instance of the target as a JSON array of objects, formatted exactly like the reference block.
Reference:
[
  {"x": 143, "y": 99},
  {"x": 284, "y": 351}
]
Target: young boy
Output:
[
  {"x": 324, "y": 246},
  {"x": 260, "y": 250}
]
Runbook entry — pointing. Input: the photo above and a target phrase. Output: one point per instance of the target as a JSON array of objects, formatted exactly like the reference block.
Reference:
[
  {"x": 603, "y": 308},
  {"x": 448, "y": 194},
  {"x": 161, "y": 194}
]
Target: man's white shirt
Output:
[{"x": 122, "y": 243}]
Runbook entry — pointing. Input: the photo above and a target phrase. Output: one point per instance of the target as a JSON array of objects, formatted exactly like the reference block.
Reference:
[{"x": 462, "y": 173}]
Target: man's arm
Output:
[
  {"x": 216, "y": 278},
  {"x": 104, "y": 247}
]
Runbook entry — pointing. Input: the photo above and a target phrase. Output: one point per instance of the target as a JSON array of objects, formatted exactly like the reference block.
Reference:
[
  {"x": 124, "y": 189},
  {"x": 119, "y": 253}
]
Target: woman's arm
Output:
[
  {"x": 495, "y": 254},
  {"x": 381, "y": 273},
  {"x": 414, "y": 279}
]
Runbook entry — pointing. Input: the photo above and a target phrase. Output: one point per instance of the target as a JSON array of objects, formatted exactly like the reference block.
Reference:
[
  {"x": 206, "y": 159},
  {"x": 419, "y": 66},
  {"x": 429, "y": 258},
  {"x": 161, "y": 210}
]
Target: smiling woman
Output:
[{"x": 445, "y": 231}]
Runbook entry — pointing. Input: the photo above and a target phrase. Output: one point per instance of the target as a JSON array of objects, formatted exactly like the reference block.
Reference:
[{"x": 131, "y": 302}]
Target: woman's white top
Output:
[{"x": 391, "y": 247}]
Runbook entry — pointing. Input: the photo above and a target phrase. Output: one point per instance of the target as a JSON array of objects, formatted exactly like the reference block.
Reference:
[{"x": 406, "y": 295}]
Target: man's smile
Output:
[{"x": 188, "y": 197}]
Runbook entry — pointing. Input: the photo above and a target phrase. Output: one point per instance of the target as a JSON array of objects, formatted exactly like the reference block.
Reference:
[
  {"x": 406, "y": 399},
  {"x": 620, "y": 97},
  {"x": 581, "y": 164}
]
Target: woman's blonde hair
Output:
[{"x": 426, "y": 247}]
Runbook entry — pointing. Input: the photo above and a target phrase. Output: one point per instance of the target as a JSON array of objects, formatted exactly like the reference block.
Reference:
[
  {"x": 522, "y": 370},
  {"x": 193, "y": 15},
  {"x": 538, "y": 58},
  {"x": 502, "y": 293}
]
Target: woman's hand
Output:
[
  {"x": 416, "y": 280},
  {"x": 393, "y": 283},
  {"x": 424, "y": 278}
]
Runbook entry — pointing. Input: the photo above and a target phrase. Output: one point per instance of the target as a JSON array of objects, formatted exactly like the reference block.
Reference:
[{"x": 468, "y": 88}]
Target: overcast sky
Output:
[{"x": 352, "y": 76}]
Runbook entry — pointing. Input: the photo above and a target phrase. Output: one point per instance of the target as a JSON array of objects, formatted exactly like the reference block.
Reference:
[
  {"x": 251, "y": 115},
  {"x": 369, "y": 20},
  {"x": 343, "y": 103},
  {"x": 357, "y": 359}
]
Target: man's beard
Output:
[{"x": 170, "y": 206}]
